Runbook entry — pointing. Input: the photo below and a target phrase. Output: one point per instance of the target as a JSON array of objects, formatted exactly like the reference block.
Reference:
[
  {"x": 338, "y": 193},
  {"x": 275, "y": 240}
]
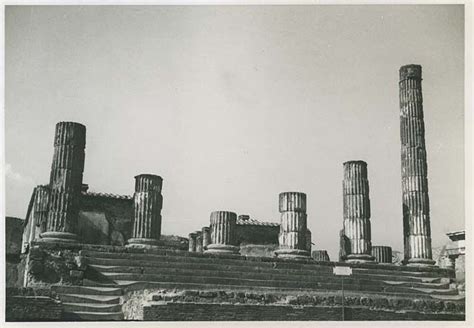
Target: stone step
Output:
[
  {"x": 238, "y": 269},
  {"x": 93, "y": 316},
  {"x": 322, "y": 285},
  {"x": 140, "y": 285},
  {"x": 145, "y": 272},
  {"x": 159, "y": 261},
  {"x": 92, "y": 307},
  {"x": 87, "y": 290},
  {"x": 182, "y": 256},
  {"x": 79, "y": 298}
]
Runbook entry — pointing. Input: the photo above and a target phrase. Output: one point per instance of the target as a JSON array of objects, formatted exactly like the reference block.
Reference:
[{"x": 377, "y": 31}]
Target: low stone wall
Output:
[
  {"x": 247, "y": 312},
  {"x": 227, "y": 305},
  {"x": 54, "y": 264},
  {"x": 28, "y": 304}
]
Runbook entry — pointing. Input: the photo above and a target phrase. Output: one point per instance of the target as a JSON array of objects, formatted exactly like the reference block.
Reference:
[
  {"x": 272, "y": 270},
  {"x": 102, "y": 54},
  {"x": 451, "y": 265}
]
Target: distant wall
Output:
[
  {"x": 257, "y": 235},
  {"x": 105, "y": 220}
]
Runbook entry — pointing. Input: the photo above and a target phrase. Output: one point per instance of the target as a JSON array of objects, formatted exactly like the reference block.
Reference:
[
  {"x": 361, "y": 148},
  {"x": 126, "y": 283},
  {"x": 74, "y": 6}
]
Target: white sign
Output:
[{"x": 342, "y": 270}]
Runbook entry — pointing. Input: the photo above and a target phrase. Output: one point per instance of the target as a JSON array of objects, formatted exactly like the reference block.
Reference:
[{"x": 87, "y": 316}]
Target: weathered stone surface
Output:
[
  {"x": 206, "y": 237},
  {"x": 223, "y": 232},
  {"x": 65, "y": 181},
  {"x": 148, "y": 203},
  {"x": 416, "y": 219},
  {"x": 320, "y": 256},
  {"x": 357, "y": 232},
  {"x": 382, "y": 254},
  {"x": 192, "y": 242},
  {"x": 293, "y": 228}
]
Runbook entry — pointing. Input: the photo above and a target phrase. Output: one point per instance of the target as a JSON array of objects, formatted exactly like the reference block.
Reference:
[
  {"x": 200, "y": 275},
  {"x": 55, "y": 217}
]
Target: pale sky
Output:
[{"x": 233, "y": 105}]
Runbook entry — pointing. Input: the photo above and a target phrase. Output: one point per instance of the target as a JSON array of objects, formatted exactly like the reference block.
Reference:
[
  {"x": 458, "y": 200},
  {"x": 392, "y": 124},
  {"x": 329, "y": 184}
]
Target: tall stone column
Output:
[
  {"x": 357, "y": 211},
  {"x": 206, "y": 237},
  {"x": 65, "y": 182},
  {"x": 293, "y": 229},
  {"x": 382, "y": 254},
  {"x": 192, "y": 242},
  {"x": 148, "y": 203},
  {"x": 416, "y": 211},
  {"x": 223, "y": 233}
]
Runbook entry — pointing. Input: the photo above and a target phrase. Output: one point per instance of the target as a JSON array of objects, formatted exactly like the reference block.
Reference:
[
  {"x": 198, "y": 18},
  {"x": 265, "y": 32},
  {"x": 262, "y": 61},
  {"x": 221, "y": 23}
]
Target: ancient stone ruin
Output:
[{"x": 98, "y": 256}]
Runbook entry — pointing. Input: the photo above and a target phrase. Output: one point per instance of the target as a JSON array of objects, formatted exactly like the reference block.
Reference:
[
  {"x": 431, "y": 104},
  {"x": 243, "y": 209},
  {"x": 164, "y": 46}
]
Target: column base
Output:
[
  {"x": 137, "y": 242},
  {"x": 58, "y": 236},
  {"x": 360, "y": 258},
  {"x": 222, "y": 249},
  {"x": 420, "y": 262},
  {"x": 288, "y": 253}
]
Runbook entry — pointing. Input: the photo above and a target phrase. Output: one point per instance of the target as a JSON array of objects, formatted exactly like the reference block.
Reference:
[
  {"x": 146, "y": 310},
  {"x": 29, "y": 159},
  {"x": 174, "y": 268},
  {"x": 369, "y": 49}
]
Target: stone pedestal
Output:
[
  {"x": 416, "y": 217},
  {"x": 293, "y": 229},
  {"x": 382, "y": 254},
  {"x": 192, "y": 242},
  {"x": 65, "y": 182},
  {"x": 223, "y": 233},
  {"x": 357, "y": 212},
  {"x": 148, "y": 202},
  {"x": 320, "y": 256},
  {"x": 206, "y": 237}
]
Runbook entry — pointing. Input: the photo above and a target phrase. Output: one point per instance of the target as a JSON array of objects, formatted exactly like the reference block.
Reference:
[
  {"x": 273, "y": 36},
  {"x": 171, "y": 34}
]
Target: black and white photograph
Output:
[{"x": 202, "y": 162}]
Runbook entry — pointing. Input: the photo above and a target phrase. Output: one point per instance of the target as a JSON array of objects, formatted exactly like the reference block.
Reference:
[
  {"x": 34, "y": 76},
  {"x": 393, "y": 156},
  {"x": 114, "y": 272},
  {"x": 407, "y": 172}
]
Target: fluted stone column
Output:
[
  {"x": 192, "y": 242},
  {"x": 206, "y": 237},
  {"x": 148, "y": 203},
  {"x": 308, "y": 240},
  {"x": 199, "y": 248},
  {"x": 382, "y": 254},
  {"x": 416, "y": 211},
  {"x": 357, "y": 211},
  {"x": 292, "y": 237},
  {"x": 65, "y": 182},
  {"x": 41, "y": 207},
  {"x": 223, "y": 233},
  {"x": 320, "y": 256}
]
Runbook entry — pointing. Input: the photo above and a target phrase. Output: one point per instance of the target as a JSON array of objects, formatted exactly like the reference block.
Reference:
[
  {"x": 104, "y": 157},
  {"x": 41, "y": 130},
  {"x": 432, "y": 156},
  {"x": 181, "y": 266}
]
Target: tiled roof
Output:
[
  {"x": 106, "y": 195},
  {"x": 256, "y": 223}
]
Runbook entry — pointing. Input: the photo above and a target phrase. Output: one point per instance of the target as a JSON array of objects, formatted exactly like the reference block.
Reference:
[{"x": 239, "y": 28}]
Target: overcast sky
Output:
[{"x": 233, "y": 105}]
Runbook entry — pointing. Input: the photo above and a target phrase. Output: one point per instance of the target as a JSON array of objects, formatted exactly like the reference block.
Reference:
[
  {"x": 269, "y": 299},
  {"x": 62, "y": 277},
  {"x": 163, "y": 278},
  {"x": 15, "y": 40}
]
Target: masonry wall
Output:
[
  {"x": 255, "y": 234},
  {"x": 28, "y": 304},
  {"x": 105, "y": 220},
  {"x": 227, "y": 312}
]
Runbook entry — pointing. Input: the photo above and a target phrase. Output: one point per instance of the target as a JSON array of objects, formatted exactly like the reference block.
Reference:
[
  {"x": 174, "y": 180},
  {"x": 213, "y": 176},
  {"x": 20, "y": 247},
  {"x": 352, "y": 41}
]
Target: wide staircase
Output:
[{"x": 112, "y": 272}]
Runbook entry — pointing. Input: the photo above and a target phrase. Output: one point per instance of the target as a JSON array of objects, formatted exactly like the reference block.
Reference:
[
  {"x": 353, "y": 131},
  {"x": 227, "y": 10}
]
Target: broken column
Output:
[
  {"x": 320, "y": 256},
  {"x": 192, "y": 242},
  {"x": 198, "y": 241},
  {"x": 416, "y": 216},
  {"x": 382, "y": 254},
  {"x": 292, "y": 237},
  {"x": 206, "y": 237},
  {"x": 65, "y": 182},
  {"x": 223, "y": 233},
  {"x": 147, "y": 205},
  {"x": 357, "y": 212}
]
